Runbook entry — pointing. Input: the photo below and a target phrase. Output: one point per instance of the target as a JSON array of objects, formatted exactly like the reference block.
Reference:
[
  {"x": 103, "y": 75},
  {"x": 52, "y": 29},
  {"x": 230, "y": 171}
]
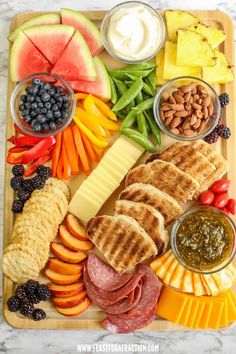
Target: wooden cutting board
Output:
[{"x": 90, "y": 319}]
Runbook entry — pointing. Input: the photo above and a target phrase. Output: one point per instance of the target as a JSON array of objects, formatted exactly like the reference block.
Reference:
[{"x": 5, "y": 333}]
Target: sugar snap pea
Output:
[
  {"x": 141, "y": 66},
  {"x": 147, "y": 88},
  {"x": 121, "y": 86},
  {"x": 151, "y": 78},
  {"x": 129, "y": 120},
  {"x": 143, "y": 106},
  {"x": 139, "y": 139},
  {"x": 120, "y": 74},
  {"x": 114, "y": 96},
  {"x": 129, "y": 95},
  {"x": 131, "y": 77},
  {"x": 139, "y": 98},
  {"x": 153, "y": 126},
  {"x": 142, "y": 125}
]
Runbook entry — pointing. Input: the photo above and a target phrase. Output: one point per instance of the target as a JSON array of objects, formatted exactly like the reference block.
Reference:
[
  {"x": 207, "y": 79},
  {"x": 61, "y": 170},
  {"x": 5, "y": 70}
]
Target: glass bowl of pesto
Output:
[
  {"x": 203, "y": 240},
  {"x": 133, "y": 32}
]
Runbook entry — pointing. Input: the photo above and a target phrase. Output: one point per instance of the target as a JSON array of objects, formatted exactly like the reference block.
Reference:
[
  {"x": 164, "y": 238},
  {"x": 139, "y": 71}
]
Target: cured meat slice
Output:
[
  {"x": 104, "y": 276},
  {"x": 117, "y": 325}
]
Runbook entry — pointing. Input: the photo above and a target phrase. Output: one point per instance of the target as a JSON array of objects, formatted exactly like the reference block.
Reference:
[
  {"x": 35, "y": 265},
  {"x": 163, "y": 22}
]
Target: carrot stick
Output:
[
  {"x": 66, "y": 163},
  {"x": 80, "y": 148},
  {"x": 56, "y": 154},
  {"x": 71, "y": 150},
  {"x": 60, "y": 167},
  {"x": 98, "y": 151},
  {"x": 89, "y": 148}
]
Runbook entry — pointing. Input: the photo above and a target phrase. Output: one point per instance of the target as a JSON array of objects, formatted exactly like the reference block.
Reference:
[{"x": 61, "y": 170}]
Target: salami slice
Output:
[
  {"x": 116, "y": 325},
  {"x": 104, "y": 276}
]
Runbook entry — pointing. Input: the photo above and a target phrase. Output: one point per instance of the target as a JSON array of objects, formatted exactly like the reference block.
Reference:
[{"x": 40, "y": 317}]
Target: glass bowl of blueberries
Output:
[{"x": 42, "y": 104}]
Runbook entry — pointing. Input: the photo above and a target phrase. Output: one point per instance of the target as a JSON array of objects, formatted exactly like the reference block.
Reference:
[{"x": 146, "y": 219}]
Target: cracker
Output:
[
  {"x": 60, "y": 185},
  {"x": 31, "y": 218},
  {"x": 38, "y": 258},
  {"x": 30, "y": 231},
  {"x": 40, "y": 204}
]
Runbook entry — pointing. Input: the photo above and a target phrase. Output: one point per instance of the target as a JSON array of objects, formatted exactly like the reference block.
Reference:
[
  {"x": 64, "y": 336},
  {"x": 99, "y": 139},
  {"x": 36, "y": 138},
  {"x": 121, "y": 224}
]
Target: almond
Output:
[
  {"x": 179, "y": 99},
  {"x": 189, "y": 87},
  {"x": 175, "y": 131},
  {"x": 193, "y": 119},
  {"x": 186, "y": 124},
  {"x": 191, "y": 100},
  {"x": 195, "y": 97},
  {"x": 188, "y": 106},
  {"x": 168, "y": 121},
  {"x": 162, "y": 115},
  {"x": 172, "y": 100},
  {"x": 199, "y": 113},
  {"x": 196, "y": 106},
  {"x": 197, "y": 124},
  {"x": 175, "y": 122},
  {"x": 194, "y": 91},
  {"x": 177, "y": 107},
  {"x": 165, "y": 107},
  {"x": 206, "y": 101},
  {"x": 165, "y": 96},
  {"x": 181, "y": 114},
  {"x": 210, "y": 109},
  {"x": 199, "y": 101},
  {"x": 187, "y": 96},
  {"x": 188, "y": 132},
  {"x": 205, "y": 112},
  {"x": 169, "y": 113},
  {"x": 202, "y": 125}
]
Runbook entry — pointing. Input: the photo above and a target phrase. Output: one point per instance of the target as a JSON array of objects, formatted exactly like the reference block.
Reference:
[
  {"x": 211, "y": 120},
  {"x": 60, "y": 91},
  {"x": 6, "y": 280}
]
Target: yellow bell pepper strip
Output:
[
  {"x": 107, "y": 133},
  {"x": 99, "y": 143},
  {"x": 105, "y": 109},
  {"x": 81, "y": 96},
  {"x": 90, "y": 107},
  {"x": 91, "y": 123}
]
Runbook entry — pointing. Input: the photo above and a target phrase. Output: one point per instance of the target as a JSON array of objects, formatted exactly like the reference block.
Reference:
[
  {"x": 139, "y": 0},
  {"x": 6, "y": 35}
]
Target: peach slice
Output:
[
  {"x": 61, "y": 279},
  {"x": 67, "y": 255},
  {"x": 75, "y": 310},
  {"x": 72, "y": 242},
  {"x": 71, "y": 301},
  {"x": 75, "y": 227},
  {"x": 64, "y": 268},
  {"x": 63, "y": 291}
]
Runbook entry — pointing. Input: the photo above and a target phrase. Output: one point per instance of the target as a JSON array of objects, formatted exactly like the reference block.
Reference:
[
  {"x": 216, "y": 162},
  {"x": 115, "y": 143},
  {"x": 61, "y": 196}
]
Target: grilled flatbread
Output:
[
  {"x": 167, "y": 177},
  {"x": 146, "y": 193}
]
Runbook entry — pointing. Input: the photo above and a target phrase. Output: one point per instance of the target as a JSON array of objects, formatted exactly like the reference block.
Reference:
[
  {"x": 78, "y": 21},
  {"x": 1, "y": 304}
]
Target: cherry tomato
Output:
[
  {"x": 231, "y": 206},
  {"x": 206, "y": 198},
  {"x": 222, "y": 185},
  {"x": 221, "y": 200}
]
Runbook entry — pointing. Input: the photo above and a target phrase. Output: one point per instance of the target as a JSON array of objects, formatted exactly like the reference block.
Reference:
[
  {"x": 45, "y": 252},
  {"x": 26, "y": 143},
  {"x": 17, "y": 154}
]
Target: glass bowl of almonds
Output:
[{"x": 187, "y": 108}]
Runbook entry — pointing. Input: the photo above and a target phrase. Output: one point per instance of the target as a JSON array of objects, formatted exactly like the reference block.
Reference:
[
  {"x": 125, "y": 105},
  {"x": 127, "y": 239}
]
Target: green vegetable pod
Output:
[
  {"x": 129, "y": 96},
  {"x": 139, "y": 139}
]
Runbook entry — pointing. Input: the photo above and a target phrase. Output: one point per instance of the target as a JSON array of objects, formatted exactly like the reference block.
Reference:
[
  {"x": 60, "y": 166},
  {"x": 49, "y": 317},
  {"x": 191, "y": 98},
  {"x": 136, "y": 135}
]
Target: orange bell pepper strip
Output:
[
  {"x": 91, "y": 123},
  {"x": 98, "y": 151},
  {"x": 56, "y": 151},
  {"x": 105, "y": 109},
  {"x": 89, "y": 148},
  {"x": 65, "y": 159},
  {"x": 80, "y": 149},
  {"x": 71, "y": 150},
  {"x": 90, "y": 107},
  {"x": 98, "y": 142}
]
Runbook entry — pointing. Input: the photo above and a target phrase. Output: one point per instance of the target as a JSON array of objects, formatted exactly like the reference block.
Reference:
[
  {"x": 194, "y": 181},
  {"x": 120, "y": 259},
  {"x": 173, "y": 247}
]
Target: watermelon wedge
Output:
[
  {"x": 47, "y": 19},
  {"x": 76, "y": 62},
  {"x": 100, "y": 88},
  {"x": 25, "y": 59},
  {"x": 50, "y": 40},
  {"x": 86, "y": 27}
]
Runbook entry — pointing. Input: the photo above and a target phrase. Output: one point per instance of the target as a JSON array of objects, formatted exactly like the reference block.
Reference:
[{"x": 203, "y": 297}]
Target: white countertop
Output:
[{"x": 64, "y": 342}]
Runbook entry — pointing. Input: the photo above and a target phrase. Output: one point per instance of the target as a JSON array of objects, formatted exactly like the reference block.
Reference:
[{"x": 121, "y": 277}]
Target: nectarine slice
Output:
[
  {"x": 75, "y": 310},
  {"x": 72, "y": 242},
  {"x": 63, "y": 291},
  {"x": 75, "y": 227},
  {"x": 64, "y": 268},
  {"x": 61, "y": 279},
  {"x": 66, "y": 254},
  {"x": 71, "y": 301}
]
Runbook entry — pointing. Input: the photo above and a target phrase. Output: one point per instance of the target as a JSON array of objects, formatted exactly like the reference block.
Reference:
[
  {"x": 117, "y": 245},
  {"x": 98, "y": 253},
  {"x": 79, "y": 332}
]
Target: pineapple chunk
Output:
[
  {"x": 221, "y": 73},
  {"x": 176, "y": 19},
  {"x": 159, "y": 68},
  {"x": 193, "y": 50},
  {"x": 214, "y": 35},
  {"x": 172, "y": 70}
]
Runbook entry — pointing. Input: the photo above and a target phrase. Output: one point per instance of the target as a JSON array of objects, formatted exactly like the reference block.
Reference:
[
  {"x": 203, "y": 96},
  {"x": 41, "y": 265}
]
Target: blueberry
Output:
[
  {"x": 33, "y": 122},
  {"x": 45, "y": 126},
  {"x": 47, "y": 105},
  {"x": 36, "y": 81},
  {"x": 29, "y": 89},
  {"x": 64, "y": 115},
  {"x": 45, "y": 97},
  {"x": 23, "y": 98},
  {"x": 54, "y": 107},
  {"x": 42, "y": 91},
  {"x": 21, "y": 107},
  {"x": 38, "y": 110},
  {"x": 27, "y": 118},
  {"x": 44, "y": 110},
  {"x": 34, "y": 105},
  {"x": 52, "y": 125},
  {"x": 51, "y": 91},
  {"x": 37, "y": 127},
  {"x": 59, "y": 89},
  {"x": 35, "y": 90},
  {"x": 41, "y": 118},
  {"x": 27, "y": 105},
  {"x": 56, "y": 95},
  {"x": 60, "y": 120},
  {"x": 52, "y": 101},
  {"x": 65, "y": 105},
  {"x": 30, "y": 98},
  {"x": 33, "y": 114},
  {"x": 40, "y": 105},
  {"x": 38, "y": 99},
  {"x": 25, "y": 112},
  {"x": 59, "y": 105},
  {"x": 46, "y": 86},
  {"x": 49, "y": 114},
  {"x": 65, "y": 98},
  {"x": 57, "y": 114},
  {"x": 59, "y": 99}
]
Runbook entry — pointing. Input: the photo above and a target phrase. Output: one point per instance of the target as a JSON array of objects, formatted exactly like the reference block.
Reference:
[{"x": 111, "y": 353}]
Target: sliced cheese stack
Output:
[
  {"x": 202, "y": 312},
  {"x": 105, "y": 178}
]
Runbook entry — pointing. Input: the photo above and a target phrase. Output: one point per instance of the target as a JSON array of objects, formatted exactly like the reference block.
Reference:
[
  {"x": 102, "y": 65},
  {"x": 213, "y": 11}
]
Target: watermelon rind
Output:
[
  {"x": 51, "y": 40},
  {"x": 86, "y": 27},
  {"x": 100, "y": 88},
  {"x": 46, "y": 19},
  {"x": 76, "y": 62},
  {"x": 26, "y": 59}
]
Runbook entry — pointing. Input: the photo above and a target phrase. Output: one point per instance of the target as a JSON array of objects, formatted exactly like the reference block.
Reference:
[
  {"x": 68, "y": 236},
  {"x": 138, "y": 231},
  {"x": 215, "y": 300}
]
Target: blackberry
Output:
[
  {"x": 23, "y": 195},
  {"x": 16, "y": 182},
  {"x": 212, "y": 137},
  {"x": 223, "y": 131},
  {"x": 17, "y": 206},
  {"x": 39, "y": 315},
  {"x": 31, "y": 286},
  {"x": 33, "y": 298},
  {"x": 13, "y": 304},
  {"x": 38, "y": 182},
  {"x": 27, "y": 309},
  {"x": 18, "y": 170},
  {"x": 224, "y": 99},
  {"x": 21, "y": 292},
  {"x": 43, "y": 292},
  {"x": 28, "y": 185},
  {"x": 44, "y": 171}
]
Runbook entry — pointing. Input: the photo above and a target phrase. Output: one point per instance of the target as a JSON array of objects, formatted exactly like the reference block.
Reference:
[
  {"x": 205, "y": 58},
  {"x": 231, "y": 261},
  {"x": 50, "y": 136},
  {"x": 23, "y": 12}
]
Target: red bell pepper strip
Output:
[
  {"x": 40, "y": 161},
  {"x": 19, "y": 148},
  {"x": 24, "y": 140},
  {"x": 19, "y": 130},
  {"x": 39, "y": 149},
  {"x": 56, "y": 154},
  {"x": 14, "y": 158}
]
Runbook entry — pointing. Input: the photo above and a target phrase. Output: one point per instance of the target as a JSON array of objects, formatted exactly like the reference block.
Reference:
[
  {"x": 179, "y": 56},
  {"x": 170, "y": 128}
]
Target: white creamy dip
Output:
[{"x": 134, "y": 32}]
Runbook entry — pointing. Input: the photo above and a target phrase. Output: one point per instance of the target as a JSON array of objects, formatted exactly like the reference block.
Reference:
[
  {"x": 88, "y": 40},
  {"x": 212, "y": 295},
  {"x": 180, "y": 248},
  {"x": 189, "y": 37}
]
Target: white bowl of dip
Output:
[{"x": 133, "y": 32}]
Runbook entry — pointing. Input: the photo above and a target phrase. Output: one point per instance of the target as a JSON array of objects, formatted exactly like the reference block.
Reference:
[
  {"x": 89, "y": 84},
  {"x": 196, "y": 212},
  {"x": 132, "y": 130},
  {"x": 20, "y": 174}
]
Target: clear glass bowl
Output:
[
  {"x": 20, "y": 90},
  {"x": 181, "y": 219},
  {"x": 170, "y": 87},
  {"x": 105, "y": 27}
]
